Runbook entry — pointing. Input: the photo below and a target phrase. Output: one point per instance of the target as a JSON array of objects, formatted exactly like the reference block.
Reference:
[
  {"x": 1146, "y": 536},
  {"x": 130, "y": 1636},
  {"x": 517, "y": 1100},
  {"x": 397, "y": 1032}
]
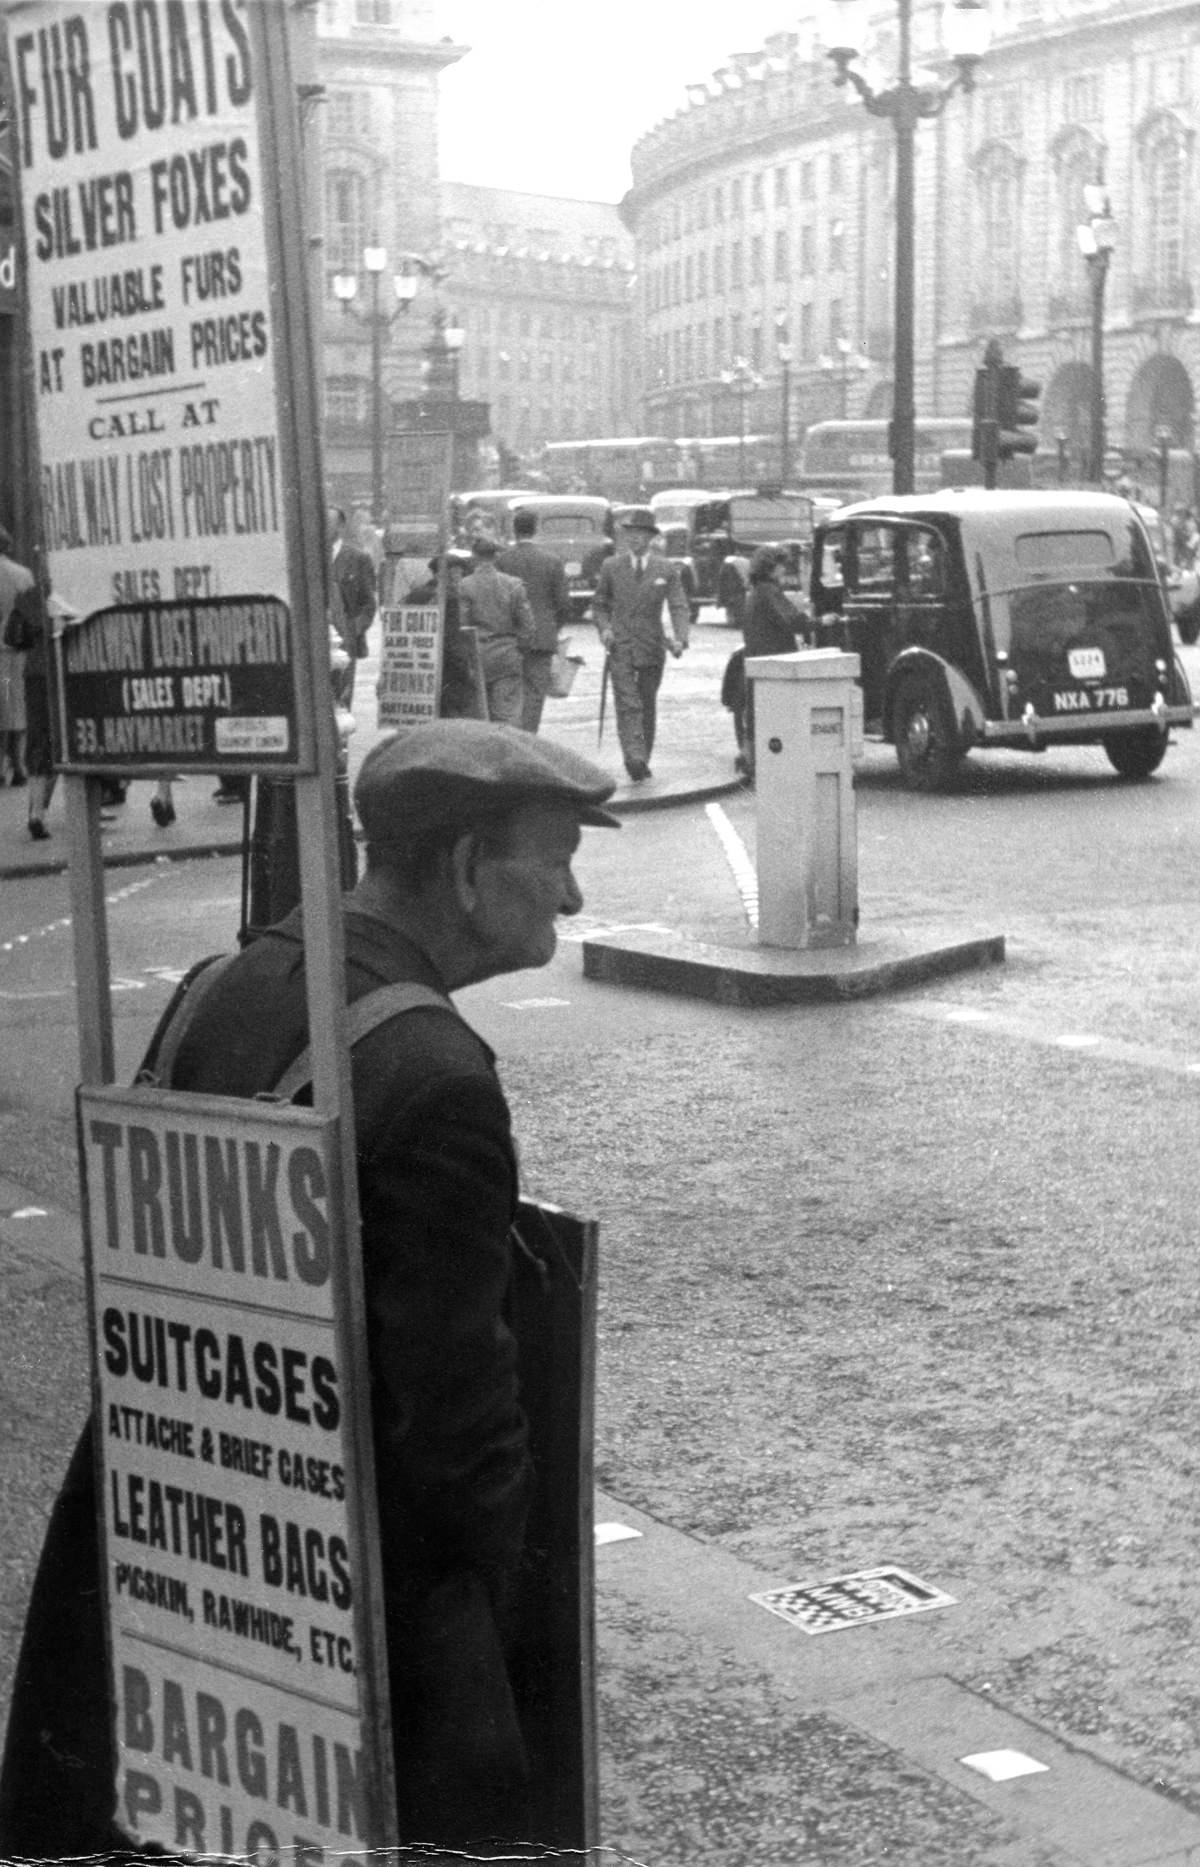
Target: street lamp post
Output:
[
  {"x": 741, "y": 377},
  {"x": 1097, "y": 237},
  {"x": 846, "y": 361},
  {"x": 784, "y": 352},
  {"x": 380, "y": 321},
  {"x": 967, "y": 34},
  {"x": 1162, "y": 442}
]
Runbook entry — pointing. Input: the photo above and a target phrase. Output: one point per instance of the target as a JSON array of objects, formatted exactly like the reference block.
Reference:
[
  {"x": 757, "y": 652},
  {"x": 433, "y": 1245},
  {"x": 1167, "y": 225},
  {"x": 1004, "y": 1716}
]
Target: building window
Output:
[
  {"x": 701, "y": 275},
  {"x": 756, "y": 189},
  {"x": 836, "y": 321},
  {"x": 999, "y": 205},
  {"x": 808, "y": 251},
  {"x": 718, "y": 341},
  {"x": 1169, "y": 80},
  {"x": 345, "y": 400},
  {"x": 756, "y": 258},
  {"x": 735, "y": 264},
  {"x": 837, "y": 246},
  {"x": 781, "y": 254},
  {"x": 1076, "y": 171},
  {"x": 373, "y": 12},
  {"x": 345, "y": 220},
  {"x": 835, "y": 174},
  {"x": 806, "y": 330},
  {"x": 781, "y": 187},
  {"x": 718, "y": 201},
  {"x": 735, "y": 334},
  {"x": 718, "y": 270},
  {"x": 807, "y": 186},
  {"x": 1082, "y": 96},
  {"x": 735, "y": 197},
  {"x": 1165, "y": 205},
  {"x": 1002, "y": 110},
  {"x": 688, "y": 277},
  {"x": 756, "y": 346}
]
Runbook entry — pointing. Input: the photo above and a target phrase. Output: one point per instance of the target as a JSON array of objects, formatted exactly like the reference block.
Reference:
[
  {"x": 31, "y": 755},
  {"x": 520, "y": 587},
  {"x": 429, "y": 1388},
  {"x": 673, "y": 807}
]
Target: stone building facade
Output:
[
  {"x": 765, "y": 210},
  {"x": 378, "y": 63},
  {"x": 542, "y": 288}
]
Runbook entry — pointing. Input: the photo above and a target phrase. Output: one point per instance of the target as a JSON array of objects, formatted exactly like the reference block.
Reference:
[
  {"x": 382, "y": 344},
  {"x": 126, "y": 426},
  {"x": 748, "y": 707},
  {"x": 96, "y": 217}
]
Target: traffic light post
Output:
[{"x": 1005, "y": 407}]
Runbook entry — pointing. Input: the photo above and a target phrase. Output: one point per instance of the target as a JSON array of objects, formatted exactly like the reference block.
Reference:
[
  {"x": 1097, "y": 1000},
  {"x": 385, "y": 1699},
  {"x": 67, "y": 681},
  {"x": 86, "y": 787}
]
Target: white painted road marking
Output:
[
  {"x": 1000, "y": 1766},
  {"x": 1105, "y": 1049},
  {"x": 737, "y": 855}
]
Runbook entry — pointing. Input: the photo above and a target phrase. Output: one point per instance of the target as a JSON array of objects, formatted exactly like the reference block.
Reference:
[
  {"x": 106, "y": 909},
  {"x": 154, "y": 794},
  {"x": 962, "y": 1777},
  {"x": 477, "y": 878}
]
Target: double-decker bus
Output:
[
  {"x": 851, "y": 458},
  {"x": 629, "y": 469},
  {"x": 626, "y": 468}
]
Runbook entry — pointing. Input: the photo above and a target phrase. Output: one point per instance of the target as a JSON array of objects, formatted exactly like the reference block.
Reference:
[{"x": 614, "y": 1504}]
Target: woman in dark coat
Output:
[
  {"x": 31, "y": 619},
  {"x": 773, "y": 626}
]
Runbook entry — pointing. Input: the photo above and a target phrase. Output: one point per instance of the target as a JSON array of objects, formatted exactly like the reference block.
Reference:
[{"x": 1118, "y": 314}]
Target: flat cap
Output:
[{"x": 453, "y": 771}]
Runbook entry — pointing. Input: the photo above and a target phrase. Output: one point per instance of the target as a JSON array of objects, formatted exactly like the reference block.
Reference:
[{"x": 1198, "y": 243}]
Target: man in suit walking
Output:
[
  {"x": 632, "y": 589},
  {"x": 545, "y": 582},
  {"x": 352, "y": 596}
]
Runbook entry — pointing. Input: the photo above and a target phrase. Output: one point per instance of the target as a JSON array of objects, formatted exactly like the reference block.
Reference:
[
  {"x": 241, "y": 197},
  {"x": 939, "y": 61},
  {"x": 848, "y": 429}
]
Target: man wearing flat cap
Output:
[
  {"x": 632, "y": 590},
  {"x": 470, "y": 830}
]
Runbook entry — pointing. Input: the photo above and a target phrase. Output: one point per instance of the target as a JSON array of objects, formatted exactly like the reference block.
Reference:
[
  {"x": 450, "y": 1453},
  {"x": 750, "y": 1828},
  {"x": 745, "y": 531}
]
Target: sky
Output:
[{"x": 554, "y": 93}]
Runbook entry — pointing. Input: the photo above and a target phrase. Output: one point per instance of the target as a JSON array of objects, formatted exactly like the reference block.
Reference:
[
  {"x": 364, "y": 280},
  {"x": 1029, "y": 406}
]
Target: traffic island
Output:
[{"x": 741, "y": 972}]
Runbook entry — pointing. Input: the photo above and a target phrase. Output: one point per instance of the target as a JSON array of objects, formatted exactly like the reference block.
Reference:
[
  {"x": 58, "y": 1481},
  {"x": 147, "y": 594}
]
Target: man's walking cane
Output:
[{"x": 604, "y": 680}]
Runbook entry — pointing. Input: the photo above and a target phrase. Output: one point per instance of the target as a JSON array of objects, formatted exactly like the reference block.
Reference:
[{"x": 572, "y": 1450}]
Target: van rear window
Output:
[{"x": 1059, "y": 551}]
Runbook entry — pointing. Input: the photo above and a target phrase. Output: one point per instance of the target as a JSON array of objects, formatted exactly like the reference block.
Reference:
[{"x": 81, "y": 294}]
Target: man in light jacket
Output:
[{"x": 634, "y": 587}]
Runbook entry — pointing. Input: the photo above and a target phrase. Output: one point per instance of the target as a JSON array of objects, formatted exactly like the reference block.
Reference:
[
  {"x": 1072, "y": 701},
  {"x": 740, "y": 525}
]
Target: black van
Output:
[{"x": 1018, "y": 619}]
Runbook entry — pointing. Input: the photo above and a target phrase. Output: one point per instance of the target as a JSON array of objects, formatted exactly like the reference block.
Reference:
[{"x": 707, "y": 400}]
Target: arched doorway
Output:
[{"x": 1161, "y": 401}]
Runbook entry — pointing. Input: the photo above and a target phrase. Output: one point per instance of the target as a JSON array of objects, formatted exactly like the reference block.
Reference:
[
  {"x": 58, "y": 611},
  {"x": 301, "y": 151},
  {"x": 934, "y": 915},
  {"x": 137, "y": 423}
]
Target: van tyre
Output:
[
  {"x": 1136, "y": 754},
  {"x": 927, "y": 745}
]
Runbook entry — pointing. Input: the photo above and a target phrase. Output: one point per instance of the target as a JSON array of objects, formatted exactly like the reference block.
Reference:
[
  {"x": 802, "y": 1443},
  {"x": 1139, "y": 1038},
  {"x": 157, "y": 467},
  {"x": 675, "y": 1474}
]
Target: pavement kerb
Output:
[
  {"x": 878, "y": 1679},
  {"x": 627, "y": 803}
]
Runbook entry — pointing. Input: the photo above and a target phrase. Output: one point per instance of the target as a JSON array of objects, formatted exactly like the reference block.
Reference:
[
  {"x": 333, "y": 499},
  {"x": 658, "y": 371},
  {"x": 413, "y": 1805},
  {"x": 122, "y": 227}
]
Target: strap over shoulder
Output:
[{"x": 365, "y": 1015}]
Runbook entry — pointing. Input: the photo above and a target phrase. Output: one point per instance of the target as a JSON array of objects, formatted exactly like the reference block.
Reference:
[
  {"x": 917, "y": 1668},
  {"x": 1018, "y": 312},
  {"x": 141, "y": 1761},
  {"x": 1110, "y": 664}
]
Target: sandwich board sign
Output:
[
  {"x": 166, "y": 270},
  {"x": 222, "y": 1376}
]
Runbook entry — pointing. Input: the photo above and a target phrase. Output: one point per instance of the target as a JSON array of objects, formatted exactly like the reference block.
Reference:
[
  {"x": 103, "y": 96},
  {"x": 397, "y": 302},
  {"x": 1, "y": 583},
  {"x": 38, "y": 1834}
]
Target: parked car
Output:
[
  {"x": 708, "y": 527},
  {"x": 1014, "y": 619},
  {"x": 572, "y": 525}
]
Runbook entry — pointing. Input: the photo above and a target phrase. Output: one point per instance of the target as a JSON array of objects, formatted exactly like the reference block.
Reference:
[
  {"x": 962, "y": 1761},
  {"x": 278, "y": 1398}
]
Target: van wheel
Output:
[
  {"x": 1136, "y": 754},
  {"x": 927, "y": 745}
]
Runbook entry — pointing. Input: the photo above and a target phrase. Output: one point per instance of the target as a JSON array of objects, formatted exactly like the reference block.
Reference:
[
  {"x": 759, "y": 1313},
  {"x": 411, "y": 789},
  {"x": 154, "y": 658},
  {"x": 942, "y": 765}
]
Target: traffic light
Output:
[
  {"x": 985, "y": 424},
  {"x": 1016, "y": 410}
]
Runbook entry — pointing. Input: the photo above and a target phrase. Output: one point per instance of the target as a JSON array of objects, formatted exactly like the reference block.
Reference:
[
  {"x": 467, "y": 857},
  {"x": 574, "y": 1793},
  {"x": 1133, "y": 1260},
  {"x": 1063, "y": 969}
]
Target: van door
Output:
[{"x": 874, "y": 568}]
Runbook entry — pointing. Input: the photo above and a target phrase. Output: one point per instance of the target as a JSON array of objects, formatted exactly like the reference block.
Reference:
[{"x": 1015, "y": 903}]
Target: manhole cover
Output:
[{"x": 848, "y": 1600}]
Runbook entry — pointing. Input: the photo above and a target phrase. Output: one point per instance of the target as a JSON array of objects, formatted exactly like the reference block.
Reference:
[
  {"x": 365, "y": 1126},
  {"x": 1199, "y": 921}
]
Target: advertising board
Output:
[
  {"x": 419, "y": 471},
  {"x": 188, "y": 684},
  {"x": 153, "y": 339},
  {"x": 231, "y": 1560},
  {"x": 410, "y": 665}
]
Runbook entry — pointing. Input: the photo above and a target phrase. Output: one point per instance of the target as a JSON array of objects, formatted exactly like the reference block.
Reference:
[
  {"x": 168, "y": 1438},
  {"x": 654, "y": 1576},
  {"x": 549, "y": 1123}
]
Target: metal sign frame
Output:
[{"x": 268, "y": 40}]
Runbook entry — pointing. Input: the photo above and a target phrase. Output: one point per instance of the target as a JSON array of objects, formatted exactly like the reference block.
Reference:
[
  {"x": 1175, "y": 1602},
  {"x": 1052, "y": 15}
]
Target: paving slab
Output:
[{"x": 665, "y": 1593}]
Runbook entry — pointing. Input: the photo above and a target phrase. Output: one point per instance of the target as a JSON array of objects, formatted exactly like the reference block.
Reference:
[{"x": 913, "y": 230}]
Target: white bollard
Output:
[{"x": 807, "y": 725}]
